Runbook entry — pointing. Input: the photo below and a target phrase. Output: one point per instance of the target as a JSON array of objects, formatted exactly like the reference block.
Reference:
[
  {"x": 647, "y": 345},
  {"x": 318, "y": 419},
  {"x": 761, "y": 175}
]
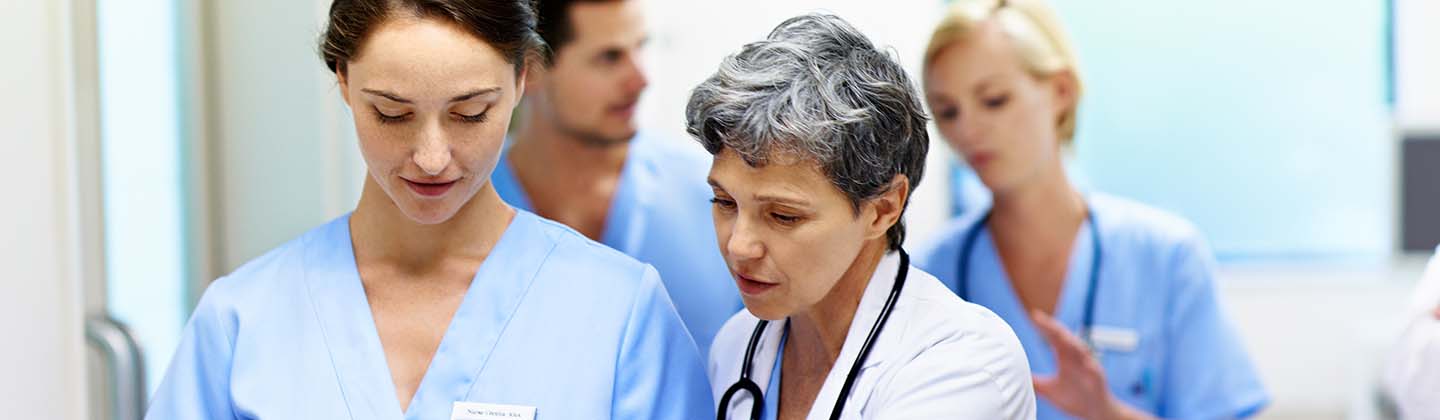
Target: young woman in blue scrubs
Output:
[
  {"x": 1114, "y": 301},
  {"x": 435, "y": 299}
]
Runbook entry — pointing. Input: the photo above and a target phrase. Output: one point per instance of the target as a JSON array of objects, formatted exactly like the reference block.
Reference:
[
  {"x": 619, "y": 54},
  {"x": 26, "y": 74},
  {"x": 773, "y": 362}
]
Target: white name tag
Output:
[
  {"x": 479, "y": 411},
  {"x": 1114, "y": 338}
]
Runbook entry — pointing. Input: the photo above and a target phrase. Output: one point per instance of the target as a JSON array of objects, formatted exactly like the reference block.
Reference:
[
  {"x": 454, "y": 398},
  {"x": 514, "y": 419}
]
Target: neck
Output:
[
  {"x": 562, "y": 155},
  {"x": 380, "y": 232},
  {"x": 1046, "y": 209},
  {"x": 822, "y": 328}
]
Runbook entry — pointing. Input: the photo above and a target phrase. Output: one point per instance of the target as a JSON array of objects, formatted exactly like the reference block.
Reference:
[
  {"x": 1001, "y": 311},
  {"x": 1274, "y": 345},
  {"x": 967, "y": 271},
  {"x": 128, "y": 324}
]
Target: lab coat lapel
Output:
[
  {"x": 871, "y": 303},
  {"x": 766, "y": 351}
]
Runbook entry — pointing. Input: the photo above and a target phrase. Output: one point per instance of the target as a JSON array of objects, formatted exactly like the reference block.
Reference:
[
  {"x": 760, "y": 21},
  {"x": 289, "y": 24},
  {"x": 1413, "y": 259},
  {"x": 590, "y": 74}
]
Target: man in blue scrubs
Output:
[{"x": 576, "y": 157}]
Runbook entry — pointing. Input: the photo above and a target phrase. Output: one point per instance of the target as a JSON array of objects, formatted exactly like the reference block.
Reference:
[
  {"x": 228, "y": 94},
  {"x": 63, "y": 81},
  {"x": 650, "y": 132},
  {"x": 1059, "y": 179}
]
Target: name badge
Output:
[
  {"x": 1114, "y": 338},
  {"x": 479, "y": 411}
]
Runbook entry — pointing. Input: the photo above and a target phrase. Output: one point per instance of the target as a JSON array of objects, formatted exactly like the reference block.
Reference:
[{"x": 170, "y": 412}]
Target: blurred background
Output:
[{"x": 154, "y": 145}]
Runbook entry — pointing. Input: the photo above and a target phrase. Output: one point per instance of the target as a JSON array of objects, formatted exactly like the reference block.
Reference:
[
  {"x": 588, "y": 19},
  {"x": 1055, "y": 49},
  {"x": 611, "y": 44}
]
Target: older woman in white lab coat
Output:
[{"x": 818, "y": 140}]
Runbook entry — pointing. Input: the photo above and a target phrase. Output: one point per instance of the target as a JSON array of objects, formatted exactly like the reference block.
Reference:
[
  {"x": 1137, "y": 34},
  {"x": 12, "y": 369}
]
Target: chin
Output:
[
  {"x": 628, "y": 133},
  {"x": 996, "y": 182},
  {"x": 620, "y": 134},
  {"x": 429, "y": 215},
  {"x": 765, "y": 310}
]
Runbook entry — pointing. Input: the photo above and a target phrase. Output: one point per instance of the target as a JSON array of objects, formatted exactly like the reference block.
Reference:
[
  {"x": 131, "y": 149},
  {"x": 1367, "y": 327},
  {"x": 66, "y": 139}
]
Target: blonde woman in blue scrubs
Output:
[
  {"x": 1114, "y": 301},
  {"x": 435, "y": 299}
]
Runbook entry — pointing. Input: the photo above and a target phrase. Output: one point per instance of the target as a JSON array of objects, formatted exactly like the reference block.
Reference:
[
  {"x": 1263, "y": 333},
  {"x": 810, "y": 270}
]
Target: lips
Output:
[
  {"x": 624, "y": 109},
  {"x": 430, "y": 188},
  {"x": 980, "y": 159},
  {"x": 752, "y": 287}
]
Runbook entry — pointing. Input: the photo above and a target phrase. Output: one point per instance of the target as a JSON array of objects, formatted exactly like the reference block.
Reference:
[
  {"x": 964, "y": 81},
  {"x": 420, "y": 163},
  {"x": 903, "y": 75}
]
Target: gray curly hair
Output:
[{"x": 818, "y": 89}]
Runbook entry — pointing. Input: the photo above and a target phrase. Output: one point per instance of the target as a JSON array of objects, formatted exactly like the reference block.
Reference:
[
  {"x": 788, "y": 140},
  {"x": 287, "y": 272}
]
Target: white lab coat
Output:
[
  {"x": 937, "y": 357},
  {"x": 1412, "y": 376}
]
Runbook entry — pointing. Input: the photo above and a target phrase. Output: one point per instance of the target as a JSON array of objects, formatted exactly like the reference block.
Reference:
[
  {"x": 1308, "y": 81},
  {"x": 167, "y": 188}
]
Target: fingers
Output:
[
  {"x": 1437, "y": 313},
  {"x": 1046, "y": 386},
  {"x": 1069, "y": 349}
]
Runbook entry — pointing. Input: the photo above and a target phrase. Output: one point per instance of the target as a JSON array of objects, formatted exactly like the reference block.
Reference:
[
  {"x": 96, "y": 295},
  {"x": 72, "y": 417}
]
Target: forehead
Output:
[
  {"x": 783, "y": 174},
  {"x": 984, "y": 53},
  {"x": 607, "y": 22},
  {"x": 421, "y": 56}
]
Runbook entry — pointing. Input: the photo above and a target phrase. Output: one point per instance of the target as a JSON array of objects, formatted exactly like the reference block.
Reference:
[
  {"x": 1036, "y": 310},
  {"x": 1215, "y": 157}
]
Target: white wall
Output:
[
  {"x": 689, "y": 38},
  {"x": 1417, "y": 66},
  {"x": 1319, "y": 333},
  {"x": 42, "y": 355},
  {"x": 281, "y": 144}
]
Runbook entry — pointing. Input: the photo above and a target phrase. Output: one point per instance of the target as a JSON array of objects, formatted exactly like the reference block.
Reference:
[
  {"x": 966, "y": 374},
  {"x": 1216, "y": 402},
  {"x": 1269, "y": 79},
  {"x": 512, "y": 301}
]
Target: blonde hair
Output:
[{"x": 1032, "y": 27}]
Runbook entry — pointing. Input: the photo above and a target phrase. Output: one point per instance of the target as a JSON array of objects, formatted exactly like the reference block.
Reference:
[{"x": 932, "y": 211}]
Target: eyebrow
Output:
[
  {"x": 458, "y": 98},
  {"x": 781, "y": 200},
  {"x": 765, "y": 198},
  {"x": 986, "y": 83}
]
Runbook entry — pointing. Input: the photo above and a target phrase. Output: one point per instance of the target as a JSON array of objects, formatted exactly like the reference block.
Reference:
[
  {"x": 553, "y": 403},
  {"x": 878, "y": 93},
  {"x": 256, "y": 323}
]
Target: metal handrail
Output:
[{"x": 122, "y": 352}]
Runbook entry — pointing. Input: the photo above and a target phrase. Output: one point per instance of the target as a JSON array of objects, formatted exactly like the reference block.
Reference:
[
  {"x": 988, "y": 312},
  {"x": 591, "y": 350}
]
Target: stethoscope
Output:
[
  {"x": 967, "y": 249},
  {"x": 758, "y": 398}
]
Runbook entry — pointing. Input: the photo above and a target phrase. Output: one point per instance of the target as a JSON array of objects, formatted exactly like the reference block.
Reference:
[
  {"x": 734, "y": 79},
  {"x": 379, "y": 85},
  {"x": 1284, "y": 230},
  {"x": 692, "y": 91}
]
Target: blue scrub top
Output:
[
  {"x": 661, "y": 216},
  {"x": 1157, "y": 280},
  {"x": 772, "y": 388},
  {"x": 551, "y": 320}
]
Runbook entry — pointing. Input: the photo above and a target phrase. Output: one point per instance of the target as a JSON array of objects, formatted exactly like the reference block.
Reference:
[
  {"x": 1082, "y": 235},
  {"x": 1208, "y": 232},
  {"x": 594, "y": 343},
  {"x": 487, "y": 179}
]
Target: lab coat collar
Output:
[{"x": 871, "y": 303}]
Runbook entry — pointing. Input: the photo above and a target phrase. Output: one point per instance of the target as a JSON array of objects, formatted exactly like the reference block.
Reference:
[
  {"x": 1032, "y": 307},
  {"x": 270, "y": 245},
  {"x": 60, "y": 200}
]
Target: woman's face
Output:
[
  {"x": 787, "y": 233},
  {"x": 431, "y": 105},
  {"x": 999, "y": 117}
]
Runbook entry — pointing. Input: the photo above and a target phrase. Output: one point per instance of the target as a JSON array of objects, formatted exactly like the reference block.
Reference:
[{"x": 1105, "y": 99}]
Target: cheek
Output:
[
  {"x": 380, "y": 147},
  {"x": 950, "y": 132},
  {"x": 722, "y": 222},
  {"x": 589, "y": 91},
  {"x": 820, "y": 257},
  {"x": 478, "y": 146}
]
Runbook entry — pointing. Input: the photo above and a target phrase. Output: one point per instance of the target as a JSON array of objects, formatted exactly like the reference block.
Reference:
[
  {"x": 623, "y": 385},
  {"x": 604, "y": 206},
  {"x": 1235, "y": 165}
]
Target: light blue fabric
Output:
[
  {"x": 1157, "y": 279},
  {"x": 661, "y": 216},
  {"x": 772, "y": 389},
  {"x": 551, "y": 320}
]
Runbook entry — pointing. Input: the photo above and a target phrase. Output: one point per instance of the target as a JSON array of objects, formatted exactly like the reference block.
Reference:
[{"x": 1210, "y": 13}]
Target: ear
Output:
[
  {"x": 344, "y": 86},
  {"x": 521, "y": 82},
  {"x": 888, "y": 207},
  {"x": 1065, "y": 87},
  {"x": 532, "y": 78}
]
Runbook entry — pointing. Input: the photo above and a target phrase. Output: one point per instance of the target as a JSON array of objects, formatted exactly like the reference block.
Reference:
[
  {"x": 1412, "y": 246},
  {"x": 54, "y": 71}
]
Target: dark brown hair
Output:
[
  {"x": 555, "y": 25},
  {"x": 509, "y": 26}
]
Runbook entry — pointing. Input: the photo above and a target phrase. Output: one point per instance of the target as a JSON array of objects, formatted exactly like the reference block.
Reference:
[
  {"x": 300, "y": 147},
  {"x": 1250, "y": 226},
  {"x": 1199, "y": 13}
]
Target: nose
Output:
[
  {"x": 636, "y": 79},
  {"x": 743, "y": 243},
  {"x": 432, "y": 153},
  {"x": 968, "y": 134}
]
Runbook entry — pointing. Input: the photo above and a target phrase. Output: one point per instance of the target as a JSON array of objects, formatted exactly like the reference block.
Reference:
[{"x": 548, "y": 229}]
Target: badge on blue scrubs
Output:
[{"x": 479, "y": 411}]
